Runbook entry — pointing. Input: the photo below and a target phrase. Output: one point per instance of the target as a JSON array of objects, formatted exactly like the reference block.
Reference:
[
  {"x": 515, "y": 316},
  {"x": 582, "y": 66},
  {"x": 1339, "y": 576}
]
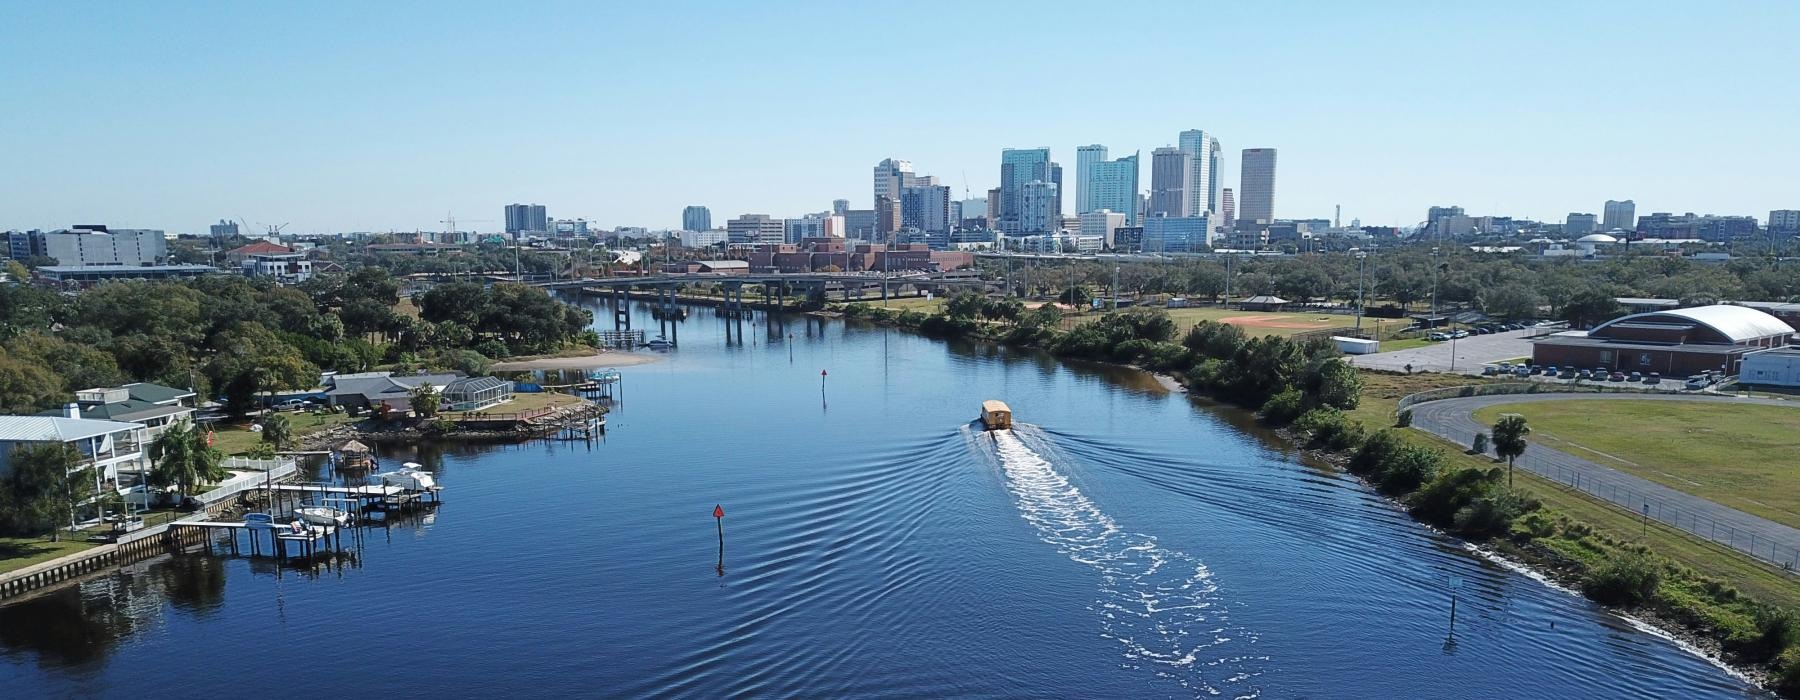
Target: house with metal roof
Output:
[
  {"x": 1674, "y": 342},
  {"x": 370, "y": 391},
  {"x": 153, "y": 406},
  {"x": 114, "y": 450}
]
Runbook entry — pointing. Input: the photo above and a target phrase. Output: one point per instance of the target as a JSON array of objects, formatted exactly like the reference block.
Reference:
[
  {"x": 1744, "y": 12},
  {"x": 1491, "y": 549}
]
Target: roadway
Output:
[{"x": 1452, "y": 420}]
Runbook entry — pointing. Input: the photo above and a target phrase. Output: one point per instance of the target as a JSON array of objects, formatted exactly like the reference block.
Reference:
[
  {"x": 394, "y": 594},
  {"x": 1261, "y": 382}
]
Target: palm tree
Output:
[
  {"x": 1509, "y": 440},
  {"x": 184, "y": 459},
  {"x": 277, "y": 431}
]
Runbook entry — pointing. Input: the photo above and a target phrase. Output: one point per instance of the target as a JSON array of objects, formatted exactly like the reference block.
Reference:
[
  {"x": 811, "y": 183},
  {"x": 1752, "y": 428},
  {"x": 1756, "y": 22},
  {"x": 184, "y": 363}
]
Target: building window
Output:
[
  {"x": 1644, "y": 359},
  {"x": 1606, "y": 357}
]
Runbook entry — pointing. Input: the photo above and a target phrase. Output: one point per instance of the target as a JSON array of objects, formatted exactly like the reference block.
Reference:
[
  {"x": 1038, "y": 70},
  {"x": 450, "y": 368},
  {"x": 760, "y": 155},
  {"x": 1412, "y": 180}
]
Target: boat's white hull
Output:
[{"x": 322, "y": 516}]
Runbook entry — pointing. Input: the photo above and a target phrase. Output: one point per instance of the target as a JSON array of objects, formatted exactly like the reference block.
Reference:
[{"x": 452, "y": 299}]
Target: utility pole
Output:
[
  {"x": 1361, "y": 259},
  {"x": 1115, "y": 288}
]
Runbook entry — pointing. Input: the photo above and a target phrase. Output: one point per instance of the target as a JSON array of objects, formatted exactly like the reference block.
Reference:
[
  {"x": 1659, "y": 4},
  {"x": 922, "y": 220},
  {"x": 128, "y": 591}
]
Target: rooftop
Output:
[
  {"x": 57, "y": 429},
  {"x": 1737, "y": 323},
  {"x": 259, "y": 247}
]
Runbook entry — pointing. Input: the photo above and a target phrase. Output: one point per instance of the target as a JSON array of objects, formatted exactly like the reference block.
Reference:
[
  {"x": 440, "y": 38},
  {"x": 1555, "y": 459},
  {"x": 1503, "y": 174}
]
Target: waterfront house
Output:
[
  {"x": 116, "y": 451},
  {"x": 153, "y": 406},
  {"x": 476, "y": 393},
  {"x": 373, "y": 390}
]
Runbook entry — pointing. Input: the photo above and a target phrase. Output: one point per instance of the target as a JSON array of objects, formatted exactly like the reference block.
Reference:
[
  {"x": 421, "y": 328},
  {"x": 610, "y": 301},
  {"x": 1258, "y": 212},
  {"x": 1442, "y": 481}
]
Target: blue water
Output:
[{"x": 1123, "y": 542}]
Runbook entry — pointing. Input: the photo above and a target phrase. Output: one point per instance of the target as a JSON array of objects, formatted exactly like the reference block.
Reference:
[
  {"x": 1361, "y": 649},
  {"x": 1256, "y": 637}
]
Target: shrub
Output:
[
  {"x": 1169, "y": 357},
  {"x": 1375, "y": 451},
  {"x": 1283, "y": 408},
  {"x": 1133, "y": 350},
  {"x": 1404, "y": 420},
  {"x": 1776, "y": 629},
  {"x": 1480, "y": 444},
  {"x": 1492, "y": 514},
  {"x": 1628, "y": 579},
  {"x": 1330, "y": 428},
  {"x": 1411, "y": 467},
  {"x": 1539, "y": 525},
  {"x": 1442, "y": 498},
  {"x": 1787, "y": 680}
]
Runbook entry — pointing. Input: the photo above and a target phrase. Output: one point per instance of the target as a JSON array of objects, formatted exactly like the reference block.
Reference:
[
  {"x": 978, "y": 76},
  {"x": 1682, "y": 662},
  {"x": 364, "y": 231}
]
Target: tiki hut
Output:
[{"x": 355, "y": 455}]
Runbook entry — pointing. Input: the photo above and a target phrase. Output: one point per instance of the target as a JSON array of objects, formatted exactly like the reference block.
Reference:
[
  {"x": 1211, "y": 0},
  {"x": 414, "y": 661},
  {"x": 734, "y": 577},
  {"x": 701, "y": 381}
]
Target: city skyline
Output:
[{"x": 344, "y": 118}]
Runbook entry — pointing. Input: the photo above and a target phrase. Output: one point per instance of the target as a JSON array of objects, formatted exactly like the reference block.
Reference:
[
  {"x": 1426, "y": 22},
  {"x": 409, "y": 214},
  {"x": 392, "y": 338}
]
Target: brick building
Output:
[{"x": 1675, "y": 342}]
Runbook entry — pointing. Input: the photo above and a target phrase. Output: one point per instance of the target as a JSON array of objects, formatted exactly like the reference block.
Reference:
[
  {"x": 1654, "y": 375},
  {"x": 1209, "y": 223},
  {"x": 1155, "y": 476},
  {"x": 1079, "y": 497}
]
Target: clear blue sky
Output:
[{"x": 343, "y": 117}]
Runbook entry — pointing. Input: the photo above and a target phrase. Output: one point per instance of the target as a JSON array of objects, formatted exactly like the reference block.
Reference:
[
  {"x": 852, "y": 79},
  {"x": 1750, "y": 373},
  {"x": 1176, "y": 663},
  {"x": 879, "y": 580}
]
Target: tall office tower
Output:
[
  {"x": 1256, "y": 186},
  {"x": 526, "y": 218},
  {"x": 1579, "y": 224},
  {"x": 1203, "y": 166},
  {"x": 1227, "y": 209},
  {"x": 1169, "y": 182},
  {"x": 1037, "y": 207},
  {"x": 1619, "y": 215},
  {"x": 839, "y": 206},
  {"x": 224, "y": 229},
  {"x": 1086, "y": 157},
  {"x": 754, "y": 229},
  {"x": 1056, "y": 179},
  {"x": 993, "y": 208},
  {"x": 1017, "y": 167},
  {"x": 887, "y": 216},
  {"x": 696, "y": 218},
  {"x": 926, "y": 208},
  {"x": 1113, "y": 185},
  {"x": 890, "y": 176}
]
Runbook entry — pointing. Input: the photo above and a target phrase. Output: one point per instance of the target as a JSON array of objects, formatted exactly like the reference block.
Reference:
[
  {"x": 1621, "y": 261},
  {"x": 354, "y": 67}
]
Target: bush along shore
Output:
[{"x": 1307, "y": 392}]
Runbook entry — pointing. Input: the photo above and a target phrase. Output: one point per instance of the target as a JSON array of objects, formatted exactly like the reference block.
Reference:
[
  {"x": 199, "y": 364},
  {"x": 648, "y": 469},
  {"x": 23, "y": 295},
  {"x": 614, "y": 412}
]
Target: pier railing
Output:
[{"x": 245, "y": 482}]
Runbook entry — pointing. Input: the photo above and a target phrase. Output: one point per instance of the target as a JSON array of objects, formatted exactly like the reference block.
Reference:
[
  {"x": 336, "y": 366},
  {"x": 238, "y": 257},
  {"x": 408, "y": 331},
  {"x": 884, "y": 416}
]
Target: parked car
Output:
[
  {"x": 1566, "y": 373},
  {"x": 1522, "y": 372},
  {"x": 1459, "y": 334},
  {"x": 1551, "y": 371},
  {"x": 1490, "y": 370},
  {"x": 1584, "y": 374},
  {"x": 1636, "y": 376},
  {"x": 291, "y": 405},
  {"x": 1654, "y": 378},
  {"x": 1616, "y": 377},
  {"x": 1437, "y": 336},
  {"x": 1696, "y": 384},
  {"x": 1506, "y": 366}
]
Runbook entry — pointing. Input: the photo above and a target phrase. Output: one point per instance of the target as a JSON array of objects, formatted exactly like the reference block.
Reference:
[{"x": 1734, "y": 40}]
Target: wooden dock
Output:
[{"x": 305, "y": 540}]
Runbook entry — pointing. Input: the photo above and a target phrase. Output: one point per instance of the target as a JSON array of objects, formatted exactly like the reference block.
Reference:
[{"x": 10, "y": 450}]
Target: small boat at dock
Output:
[
  {"x": 410, "y": 477},
  {"x": 996, "y": 415},
  {"x": 322, "y": 515}
]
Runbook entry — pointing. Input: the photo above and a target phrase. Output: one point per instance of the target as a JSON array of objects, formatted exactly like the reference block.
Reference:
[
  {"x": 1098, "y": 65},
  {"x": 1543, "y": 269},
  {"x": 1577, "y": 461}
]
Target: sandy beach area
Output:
[{"x": 605, "y": 359}]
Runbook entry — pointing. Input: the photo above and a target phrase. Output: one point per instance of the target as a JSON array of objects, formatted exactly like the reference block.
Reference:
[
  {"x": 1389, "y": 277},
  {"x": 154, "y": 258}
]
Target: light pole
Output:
[{"x": 1361, "y": 257}]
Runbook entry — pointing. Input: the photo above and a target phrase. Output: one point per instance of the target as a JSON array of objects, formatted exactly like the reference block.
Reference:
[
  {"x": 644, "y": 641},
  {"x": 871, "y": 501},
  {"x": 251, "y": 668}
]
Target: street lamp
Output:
[{"x": 1361, "y": 257}]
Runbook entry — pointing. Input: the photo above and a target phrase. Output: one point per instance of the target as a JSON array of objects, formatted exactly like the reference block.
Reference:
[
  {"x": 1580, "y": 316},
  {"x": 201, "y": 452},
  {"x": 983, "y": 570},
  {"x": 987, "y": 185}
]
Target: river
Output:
[{"x": 1122, "y": 542}]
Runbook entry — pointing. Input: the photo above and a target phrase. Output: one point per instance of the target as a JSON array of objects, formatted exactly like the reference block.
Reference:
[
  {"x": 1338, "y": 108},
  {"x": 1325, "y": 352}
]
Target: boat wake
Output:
[{"x": 1160, "y": 605}]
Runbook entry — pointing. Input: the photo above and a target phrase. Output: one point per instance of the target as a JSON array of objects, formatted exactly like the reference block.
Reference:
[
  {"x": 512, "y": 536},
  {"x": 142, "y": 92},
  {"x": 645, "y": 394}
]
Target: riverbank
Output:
[
  {"x": 596, "y": 361},
  {"x": 422, "y": 429},
  {"x": 1585, "y": 547}
]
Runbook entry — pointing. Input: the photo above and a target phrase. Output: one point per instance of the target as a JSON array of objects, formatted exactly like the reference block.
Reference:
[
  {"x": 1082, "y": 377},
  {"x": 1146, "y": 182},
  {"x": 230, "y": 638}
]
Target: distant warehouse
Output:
[{"x": 1674, "y": 342}]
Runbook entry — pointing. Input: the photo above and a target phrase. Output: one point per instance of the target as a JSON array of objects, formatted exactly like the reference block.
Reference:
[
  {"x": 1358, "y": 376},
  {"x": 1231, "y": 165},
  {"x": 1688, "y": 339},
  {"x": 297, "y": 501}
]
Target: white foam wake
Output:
[{"x": 1161, "y": 605}]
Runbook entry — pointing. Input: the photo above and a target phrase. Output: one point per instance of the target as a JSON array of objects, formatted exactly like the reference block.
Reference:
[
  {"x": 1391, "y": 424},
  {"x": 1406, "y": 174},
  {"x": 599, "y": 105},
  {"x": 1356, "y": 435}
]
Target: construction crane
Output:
[{"x": 449, "y": 222}]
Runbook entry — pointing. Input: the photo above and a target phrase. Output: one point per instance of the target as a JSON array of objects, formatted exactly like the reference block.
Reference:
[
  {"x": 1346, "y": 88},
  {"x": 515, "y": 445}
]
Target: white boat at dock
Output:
[
  {"x": 410, "y": 477},
  {"x": 322, "y": 515}
]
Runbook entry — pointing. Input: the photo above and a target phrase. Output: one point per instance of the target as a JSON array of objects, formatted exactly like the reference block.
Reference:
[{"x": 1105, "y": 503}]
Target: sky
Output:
[{"x": 391, "y": 116}]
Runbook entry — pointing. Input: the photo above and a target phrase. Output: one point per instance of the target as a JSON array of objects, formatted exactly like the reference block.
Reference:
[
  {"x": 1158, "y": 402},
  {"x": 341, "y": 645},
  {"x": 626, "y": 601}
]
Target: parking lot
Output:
[{"x": 1464, "y": 355}]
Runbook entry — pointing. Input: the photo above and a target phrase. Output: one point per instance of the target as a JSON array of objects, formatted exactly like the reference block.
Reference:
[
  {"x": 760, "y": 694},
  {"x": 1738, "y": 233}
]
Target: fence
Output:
[
  {"x": 1457, "y": 392},
  {"x": 1652, "y": 508},
  {"x": 231, "y": 487}
]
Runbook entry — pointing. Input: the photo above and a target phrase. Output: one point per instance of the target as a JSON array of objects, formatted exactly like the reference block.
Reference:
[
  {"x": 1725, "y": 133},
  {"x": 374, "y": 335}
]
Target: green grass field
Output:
[
  {"x": 19, "y": 552},
  {"x": 1764, "y": 582},
  {"x": 1738, "y": 455},
  {"x": 239, "y": 439}
]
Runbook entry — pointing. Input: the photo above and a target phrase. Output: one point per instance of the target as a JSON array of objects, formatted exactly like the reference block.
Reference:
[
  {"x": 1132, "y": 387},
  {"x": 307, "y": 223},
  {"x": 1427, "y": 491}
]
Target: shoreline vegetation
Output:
[
  {"x": 596, "y": 360},
  {"x": 1740, "y": 612}
]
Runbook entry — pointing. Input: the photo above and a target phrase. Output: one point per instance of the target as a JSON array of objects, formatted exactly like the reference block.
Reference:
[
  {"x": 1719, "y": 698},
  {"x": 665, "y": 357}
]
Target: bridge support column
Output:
[{"x": 621, "y": 307}]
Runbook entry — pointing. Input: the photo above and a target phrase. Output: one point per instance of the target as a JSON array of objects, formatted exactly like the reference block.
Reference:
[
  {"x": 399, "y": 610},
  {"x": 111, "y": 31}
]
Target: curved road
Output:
[{"x": 1453, "y": 420}]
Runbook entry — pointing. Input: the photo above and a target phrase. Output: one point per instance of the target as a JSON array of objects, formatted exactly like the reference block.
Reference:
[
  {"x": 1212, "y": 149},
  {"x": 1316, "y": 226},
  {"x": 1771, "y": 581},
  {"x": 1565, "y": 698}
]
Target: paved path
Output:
[
  {"x": 1471, "y": 353},
  {"x": 1452, "y": 419}
]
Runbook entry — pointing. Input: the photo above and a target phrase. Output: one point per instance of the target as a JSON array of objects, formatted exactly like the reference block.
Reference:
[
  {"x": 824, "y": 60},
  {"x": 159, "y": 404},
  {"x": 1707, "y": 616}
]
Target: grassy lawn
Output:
[
  {"x": 1761, "y": 581},
  {"x": 919, "y": 304},
  {"x": 238, "y": 439},
  {"x": 1737, "y": 455},
  {"x": 19, "y": 552}
]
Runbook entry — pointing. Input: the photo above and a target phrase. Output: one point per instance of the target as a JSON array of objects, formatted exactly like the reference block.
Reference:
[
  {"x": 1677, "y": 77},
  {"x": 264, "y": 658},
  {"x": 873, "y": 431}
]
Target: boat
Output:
[
  {"x": 322, "y": 515},
  {"x": 410, "y": 477},
  {"x": 659, "y": 343},
  {"x": 996, "y": 415},
  {"x": 259, "y": 521}
]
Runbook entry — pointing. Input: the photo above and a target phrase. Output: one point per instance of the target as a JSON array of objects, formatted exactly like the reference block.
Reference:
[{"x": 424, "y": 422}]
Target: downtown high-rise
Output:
[
  {"x": 1111, "y": 185},
  {"x": 1203, "y": 171},
  {"x": 1170, "y": 173},
  {"x": 526, "y": 218},
  {"x": 1256, "y": 185},
  {"x": 696, "y": 218},
  {"x": 1019, "y": 167},
  {"x": 1619, "y": 215}
]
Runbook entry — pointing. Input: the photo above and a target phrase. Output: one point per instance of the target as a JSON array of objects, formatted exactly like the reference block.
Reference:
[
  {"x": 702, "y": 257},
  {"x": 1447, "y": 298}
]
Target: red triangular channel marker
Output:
[
  {"x": 718, "y": 511},
  {"x": 821, "y": 373}
]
